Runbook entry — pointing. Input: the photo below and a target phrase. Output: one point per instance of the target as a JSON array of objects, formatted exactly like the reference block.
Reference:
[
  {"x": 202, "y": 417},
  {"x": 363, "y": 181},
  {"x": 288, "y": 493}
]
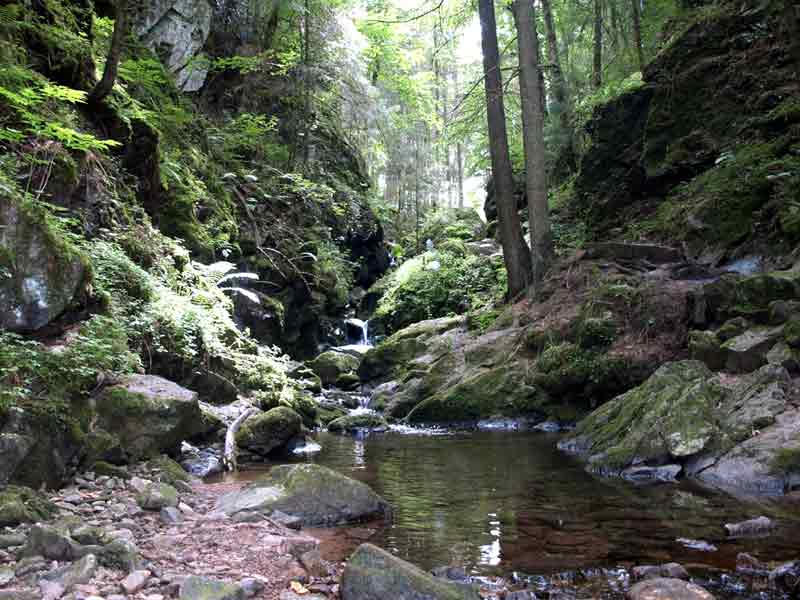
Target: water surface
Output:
[{"x": 500, "y": 502}]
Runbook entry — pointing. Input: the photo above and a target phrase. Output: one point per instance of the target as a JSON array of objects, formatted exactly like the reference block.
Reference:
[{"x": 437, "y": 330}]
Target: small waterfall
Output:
[{"x": 362, "y": 327}]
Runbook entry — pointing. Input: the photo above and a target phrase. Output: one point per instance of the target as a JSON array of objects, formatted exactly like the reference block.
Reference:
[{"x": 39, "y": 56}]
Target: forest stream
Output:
[{"x": 509, "y": 504}]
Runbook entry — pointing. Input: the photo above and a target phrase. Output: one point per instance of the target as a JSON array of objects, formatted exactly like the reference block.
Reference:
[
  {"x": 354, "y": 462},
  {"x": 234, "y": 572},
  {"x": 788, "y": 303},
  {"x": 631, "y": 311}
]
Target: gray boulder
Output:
[
  {"x": 314, "y": 494},
  {"x": 664, "y": 588},
  {"x": 54, "y": 584},
  {"x": 332, "y": 366},
  {"x": 360, "y": 421},
  {"x": 41, "y": 274},
  {"x": 269, "y": 431},
  {"x": 177, "y": 30},
  {"x": 374, "y": 574},
  {"x": 204, "y": 588},
  {"x": 156, "y": 496},
  {"x": 147, "y": 416}
]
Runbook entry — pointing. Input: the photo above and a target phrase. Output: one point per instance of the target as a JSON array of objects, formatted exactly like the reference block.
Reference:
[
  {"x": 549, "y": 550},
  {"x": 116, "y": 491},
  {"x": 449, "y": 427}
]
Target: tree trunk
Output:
[
  {"x": 106, "y": 83},
  {"x": 229, "y": 455},
  {"x": 516, "y": 256},
  {"x": 637, "y": 33},
  {"x": 307, "y": 83},
  {"x": 597, "y": 64},
  {"x": 533, "y": 140},
  {"x": 459, "y": 148},
  {"x": 557, "y": 77}
]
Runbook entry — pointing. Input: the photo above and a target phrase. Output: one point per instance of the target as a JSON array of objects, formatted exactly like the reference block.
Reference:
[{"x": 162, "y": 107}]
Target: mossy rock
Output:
[
  {"x": 705, "y": 347},
  {"x": 348, "y": 381},
  {"x": 104, "y": 468},
  {"x": 330, "y": 412},
  {"x": 330, "y": 366},
  {"x": 169, "y": 471},
  {"x": 23, "y": 505},
  {"x": 669, "y": 417},
  {"x": 269, "y": 431},
  {"x": 316, "y": 495},
  {"x": 791, "y": 332},
  {"x": 501, "y": 391},
  {"x": 596, "y": 333},
  {"x": 781, "y": 311},
  {"x": 748, "y": 351},
  {"x": 156, "y": 496},
  {"x": 149, "y": 416},
  {"x": 733, "y": 327},
  {"x": 359, "y": 421},
  {"x": 389, "y": 358}
]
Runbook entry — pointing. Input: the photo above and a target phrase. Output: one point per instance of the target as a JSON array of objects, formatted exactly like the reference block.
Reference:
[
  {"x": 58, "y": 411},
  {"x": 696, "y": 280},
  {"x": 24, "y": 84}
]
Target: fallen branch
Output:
[{"x": 229, "y": 456}]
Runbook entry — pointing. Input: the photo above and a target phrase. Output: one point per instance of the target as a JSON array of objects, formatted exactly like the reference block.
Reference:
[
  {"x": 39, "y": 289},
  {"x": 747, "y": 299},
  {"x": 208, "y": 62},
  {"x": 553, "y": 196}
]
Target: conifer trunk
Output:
[
  {"x": 597, "y": 63},
  {"x": 106, "y": 83},
  {"x": 533, "y": 140},
  {"x": 515, "y": 253},
  {"x": 637, "y": 32}
]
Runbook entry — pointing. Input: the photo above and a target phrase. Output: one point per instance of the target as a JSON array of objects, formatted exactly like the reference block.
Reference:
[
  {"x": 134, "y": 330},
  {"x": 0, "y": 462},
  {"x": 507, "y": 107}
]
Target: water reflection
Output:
[{"x": 498, "y": 502}]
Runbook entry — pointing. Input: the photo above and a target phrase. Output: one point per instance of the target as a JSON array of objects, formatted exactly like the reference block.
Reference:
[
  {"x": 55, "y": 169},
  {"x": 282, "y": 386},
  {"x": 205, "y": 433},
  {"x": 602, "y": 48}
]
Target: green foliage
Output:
[
  {"x": 786, "y": 461},
  {"x": 417, "y": 290},
  {"x": 44, "y": 380}
]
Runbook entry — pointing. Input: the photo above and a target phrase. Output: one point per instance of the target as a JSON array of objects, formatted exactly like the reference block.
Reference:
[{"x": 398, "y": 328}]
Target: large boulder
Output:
[
  {"x": 269, "y": 431},
  {"x": 667, "y": 418},
  {"x": 360, "y": 421},
  {"x": 177, "y": 30},
  {"x": 332, "y": 366},
  {"x": 41, "y": 274},
  {"x": 665, "y": 588},
  {"x": 315, "y": 495},
  {"x": 23, "y": 505},
  {"x": 147, "y": 416},
  {"x": 374, "y": 574}
]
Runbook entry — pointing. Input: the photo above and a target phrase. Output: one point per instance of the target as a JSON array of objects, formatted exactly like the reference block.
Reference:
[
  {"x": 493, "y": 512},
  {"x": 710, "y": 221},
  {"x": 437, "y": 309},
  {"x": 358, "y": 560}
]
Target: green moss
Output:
[
  {"x": 23, "y": 505},
  {"x": 791, "y": 332},
  {"x": 786, "y": 461},
  {"x": 596, "y": 332},
  {"x": 733, "y": 327},
  {"x": 480, "y": 321},
  {"x": 101, "y": 467},
  {"x": 350, "y": 423},
  {"x": 170, "y": 471}
]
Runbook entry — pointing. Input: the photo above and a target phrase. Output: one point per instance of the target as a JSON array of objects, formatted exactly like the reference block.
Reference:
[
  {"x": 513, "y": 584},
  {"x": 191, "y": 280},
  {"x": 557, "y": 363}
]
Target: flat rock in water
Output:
[
  {"x": 663, "y": 588},
  {"x": 374, "y": 574},
  {"x": 314, "y": 494}
]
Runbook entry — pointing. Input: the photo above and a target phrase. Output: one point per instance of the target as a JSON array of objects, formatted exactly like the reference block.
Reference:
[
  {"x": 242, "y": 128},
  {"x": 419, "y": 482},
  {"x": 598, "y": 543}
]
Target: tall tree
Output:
[
  {"x": 106, "y": 84},
  {"x": 597, "y": 54},
  {"x": 557, "y": 75},
  {"x": 515, "y": 253},
  {"x": 533, "y": 139},
  {"x": 636, "y": 16}
]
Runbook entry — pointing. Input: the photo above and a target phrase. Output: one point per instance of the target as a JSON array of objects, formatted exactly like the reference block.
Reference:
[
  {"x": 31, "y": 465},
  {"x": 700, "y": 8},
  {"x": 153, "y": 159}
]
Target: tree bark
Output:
[
  {"x": 515, "y": 253},
  {"x": 637, "y": 32},
  {"x": 533, "y": 140},
  {"x": 597, "y": 63},
  {"x": 459, "y": 148},
  {"x": 106, "y": 83},
  {"x": 306, "y": 82},
  {"x": 229, "y": 455}
]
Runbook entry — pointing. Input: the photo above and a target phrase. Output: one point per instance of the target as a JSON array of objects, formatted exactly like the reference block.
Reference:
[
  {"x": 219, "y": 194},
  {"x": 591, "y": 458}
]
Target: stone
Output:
[
  {"x": 135, "y": 581},
  {"x": 23, "y": 505},
  {"x": 10, "y": 540},
  {"x": 14, "y": 448},
  {"x": 6, "y": 575},
  {"x": 757, "y": 526},
  {"x": 314, "y": 494},
  {"x": 30, "y": 564},
  {"x": 252, "y": 587},
  {"x": 359, "y": 421},
  {"x": 52, "y": 543},
  {"x": 706, "y": 347},
  {"x": 645, "y": 473},
  {"x": 669, "y": 416},
  {"x": 156, "y": 496},
  {"x": 784, "y": 356},
  {"x": 269, "y": 431},
  {"x": 176, "y": 31},
  {"x": 668, "y": 570},
  {"x": 171, "y": 516},
  {"x": 663, "y": 588},
  {"x": 786, "y": 578},
  {"x": 374, "y": 574},
  {"x": 45, "y": 274},
  {"x": 330, "y": 366},
  {"x": 147, "y": 416},
  {"x": 203, "y": 588},
  {"x": 748, "y": 351},
  {"x": 54, "y": 584}
]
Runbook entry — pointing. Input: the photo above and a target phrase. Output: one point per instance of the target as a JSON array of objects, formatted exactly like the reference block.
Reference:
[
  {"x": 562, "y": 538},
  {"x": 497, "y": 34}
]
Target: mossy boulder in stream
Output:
[
  {"x": 667, "y": 418},
  {"x": 375, "y": 574},
  {"x": 333, "y": 366},
  {"x": 357, "y": 422},
  {"x": 269, "y": 431},
  {"x": 314, "y": 494}
]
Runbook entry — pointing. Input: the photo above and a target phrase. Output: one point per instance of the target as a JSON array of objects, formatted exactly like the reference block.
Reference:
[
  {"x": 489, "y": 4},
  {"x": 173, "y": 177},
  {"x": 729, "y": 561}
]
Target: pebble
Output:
[{"x": 135, "y": 582}]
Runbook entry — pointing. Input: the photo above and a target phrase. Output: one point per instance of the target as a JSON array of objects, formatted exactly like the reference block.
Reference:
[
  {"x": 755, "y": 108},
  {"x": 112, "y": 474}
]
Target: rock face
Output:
[
  {"x": 374, "y": 574},
  {"x": 743, "y": 436},
  {"x": 269, "y": 431},
  {"x": 41, "y": 275},
  {"x": 147, "y": 416},
  {"x": 176, "y": 30},
  {"x": 316, "y": 495}
]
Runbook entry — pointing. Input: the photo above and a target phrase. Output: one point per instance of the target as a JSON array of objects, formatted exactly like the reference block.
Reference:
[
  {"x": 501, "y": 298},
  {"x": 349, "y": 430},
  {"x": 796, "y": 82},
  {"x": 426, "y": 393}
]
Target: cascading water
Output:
[{"x": 362, "y": 327}]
